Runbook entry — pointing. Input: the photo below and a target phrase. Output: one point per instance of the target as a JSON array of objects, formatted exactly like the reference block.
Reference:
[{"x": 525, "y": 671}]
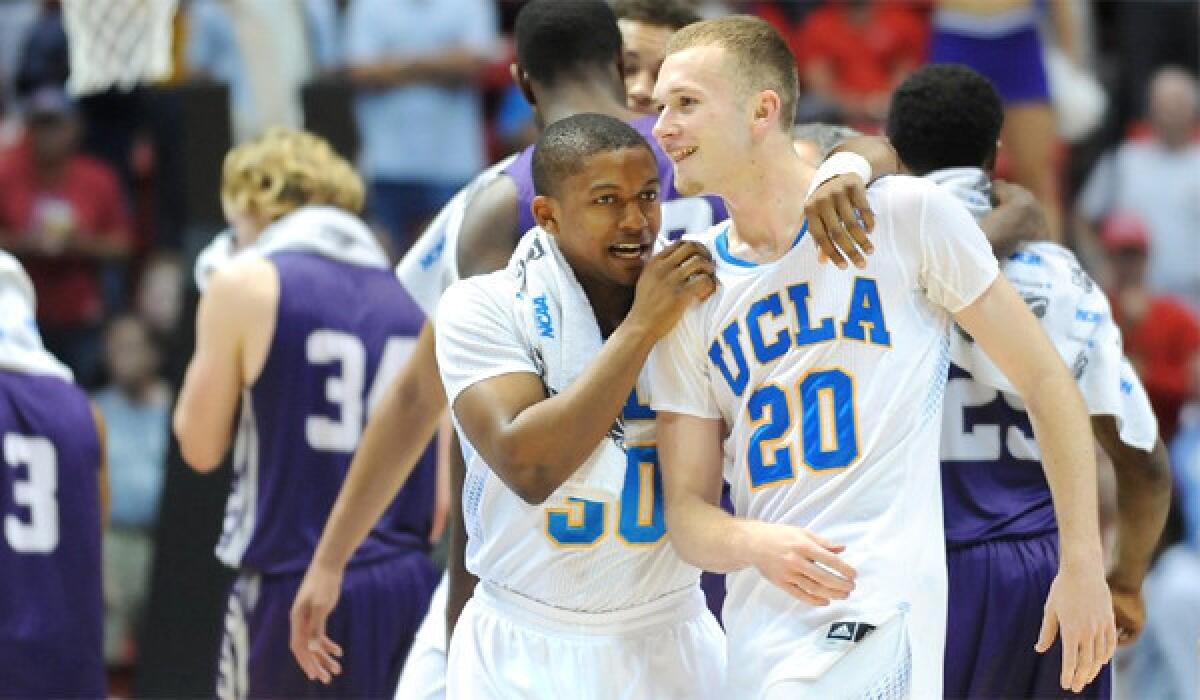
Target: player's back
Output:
[
  {"x": 51, "y": 606},
  {"x": 342, "y": 332},
  {"x": 993, "y": 483}
]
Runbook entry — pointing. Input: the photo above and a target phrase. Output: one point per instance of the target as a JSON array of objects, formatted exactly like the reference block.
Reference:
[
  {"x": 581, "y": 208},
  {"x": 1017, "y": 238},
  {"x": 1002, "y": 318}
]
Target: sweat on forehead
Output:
[{"x": 565, "y": 144}]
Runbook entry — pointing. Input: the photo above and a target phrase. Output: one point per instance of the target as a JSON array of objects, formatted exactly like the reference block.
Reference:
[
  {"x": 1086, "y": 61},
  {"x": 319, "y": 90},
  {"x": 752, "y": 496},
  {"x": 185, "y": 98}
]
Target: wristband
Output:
[{"x": 841, "y": 164}]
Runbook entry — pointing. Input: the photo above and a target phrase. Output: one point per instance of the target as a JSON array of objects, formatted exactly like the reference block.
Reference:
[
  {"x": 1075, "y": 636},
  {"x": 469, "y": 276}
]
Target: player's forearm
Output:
[
  {"x": 707, "y": 537},
  {"x": 544, "y": 445},
  {"x": 877, "y": 150},
  {"x": 383, "y": 462},
  {"x": 1143, "y": 499},
  {"x": 1064, "y": 434}
]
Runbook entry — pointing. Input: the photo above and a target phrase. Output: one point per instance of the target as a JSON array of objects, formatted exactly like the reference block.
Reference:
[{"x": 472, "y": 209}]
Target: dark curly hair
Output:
[
  {"x": 556, "y": 39},
  {"x": 945, "y": 116}
]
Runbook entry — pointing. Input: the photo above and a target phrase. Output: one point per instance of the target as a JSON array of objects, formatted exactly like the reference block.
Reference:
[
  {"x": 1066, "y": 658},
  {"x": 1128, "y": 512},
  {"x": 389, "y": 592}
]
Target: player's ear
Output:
[
  {"x": 766, "y": 109},
  {"x": 521, "y": 78},
  {"x": 545, "y": 212}
]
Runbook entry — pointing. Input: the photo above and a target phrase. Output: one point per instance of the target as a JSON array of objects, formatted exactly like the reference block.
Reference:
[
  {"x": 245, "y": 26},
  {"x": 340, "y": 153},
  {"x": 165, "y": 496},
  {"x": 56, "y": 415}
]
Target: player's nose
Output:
[{"x": 633, "y": 219}]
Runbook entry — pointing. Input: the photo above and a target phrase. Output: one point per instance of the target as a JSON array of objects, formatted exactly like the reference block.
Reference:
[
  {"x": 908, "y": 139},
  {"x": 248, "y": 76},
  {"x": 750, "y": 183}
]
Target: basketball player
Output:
[
  {"x": 532, "y": 413},
  {"x": 568, "y": 62},
  {"x": 819, "y": 393},
  {"x": 1000, "y": 531},
  {"x": 52, "y": 493},
  {"x": 646, "y": 26},
  {"x": 303, "y": 328}
]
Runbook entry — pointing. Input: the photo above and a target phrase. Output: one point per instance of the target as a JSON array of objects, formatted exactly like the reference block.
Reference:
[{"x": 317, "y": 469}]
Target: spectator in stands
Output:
[
  {"x": 1158, "y": 179},
  {"x": 414, "y": 64},
  {"x": 64, "y": 215},
  {"x": 854, "y": 53},
  {"x": 136, "y": 408},
  {"x": 1001, "y": 40},
  {"x": 646, "y": 25},
  {"x": 1162, "y": 336}
]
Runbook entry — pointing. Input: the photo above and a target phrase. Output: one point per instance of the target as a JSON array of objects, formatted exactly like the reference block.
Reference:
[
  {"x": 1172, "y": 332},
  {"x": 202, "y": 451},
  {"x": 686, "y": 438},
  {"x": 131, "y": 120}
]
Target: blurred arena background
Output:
[{"x": 132, "y": 104}]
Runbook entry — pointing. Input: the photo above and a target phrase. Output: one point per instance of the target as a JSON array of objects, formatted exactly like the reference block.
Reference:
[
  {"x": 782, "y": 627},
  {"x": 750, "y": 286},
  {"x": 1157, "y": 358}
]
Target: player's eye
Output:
[
  {"x": 604, "y": 199},
  {"x": 649, "y": 195},
  {"x": 686, "y": 101}
]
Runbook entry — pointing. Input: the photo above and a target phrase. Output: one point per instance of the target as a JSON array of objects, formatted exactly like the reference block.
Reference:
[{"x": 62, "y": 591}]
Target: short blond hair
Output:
[
  {"x": 761, "y": 58},
  {"x": 285, "y": 169}
]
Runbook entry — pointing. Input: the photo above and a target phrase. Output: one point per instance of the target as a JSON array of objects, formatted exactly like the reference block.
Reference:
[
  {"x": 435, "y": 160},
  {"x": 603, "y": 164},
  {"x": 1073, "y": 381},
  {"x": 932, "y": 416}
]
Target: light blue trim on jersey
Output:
[{"x": 722, "y": 246}]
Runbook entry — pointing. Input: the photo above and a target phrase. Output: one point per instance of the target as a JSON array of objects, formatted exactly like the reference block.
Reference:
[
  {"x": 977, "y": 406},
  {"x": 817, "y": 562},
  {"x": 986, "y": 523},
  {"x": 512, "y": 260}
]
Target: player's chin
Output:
[
  {"x": 685, "y": 185},
  {"x": 625, "y": 271}
]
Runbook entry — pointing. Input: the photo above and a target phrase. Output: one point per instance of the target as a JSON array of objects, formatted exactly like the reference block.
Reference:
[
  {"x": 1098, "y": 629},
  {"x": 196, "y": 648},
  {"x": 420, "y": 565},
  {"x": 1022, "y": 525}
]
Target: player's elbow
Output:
[
  {"x": 199, "y": 458},
  {"x": 203, "y": 455},
  {"x": 531, "y": 482}
]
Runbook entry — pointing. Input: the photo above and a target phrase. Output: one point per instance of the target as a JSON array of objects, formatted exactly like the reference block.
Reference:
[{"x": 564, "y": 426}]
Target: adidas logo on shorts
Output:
[{"x": 848, "y": 631}]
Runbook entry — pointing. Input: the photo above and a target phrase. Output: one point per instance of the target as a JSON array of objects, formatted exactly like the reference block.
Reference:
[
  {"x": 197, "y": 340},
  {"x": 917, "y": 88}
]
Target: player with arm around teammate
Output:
[
  {"x": 818, "y": 391},
  {"x": 52, "y": 497},
  {"x": 303, "y": 328},
  {"x": 1001, "y": 536}
]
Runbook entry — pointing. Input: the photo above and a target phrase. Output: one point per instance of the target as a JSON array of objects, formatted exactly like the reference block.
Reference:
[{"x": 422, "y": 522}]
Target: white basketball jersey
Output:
[
  {"x": 829, "y": 384},
  {"x": 431, "y": 265},
  {"x": 568, "y": 552}
]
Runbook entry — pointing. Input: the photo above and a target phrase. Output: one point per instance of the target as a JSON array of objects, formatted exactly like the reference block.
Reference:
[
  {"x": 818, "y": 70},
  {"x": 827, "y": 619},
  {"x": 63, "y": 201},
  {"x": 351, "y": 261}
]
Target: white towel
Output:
[
  {"x": 327, "y": 231},
  {"x": 21, "y": 348},
  {"x": 559, "y": 324}
]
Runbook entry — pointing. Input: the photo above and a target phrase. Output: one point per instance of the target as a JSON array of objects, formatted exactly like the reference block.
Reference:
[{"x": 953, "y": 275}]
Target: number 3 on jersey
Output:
[
  {"x": 37, "y": 531},
  {"x": 828, "y": 427}
]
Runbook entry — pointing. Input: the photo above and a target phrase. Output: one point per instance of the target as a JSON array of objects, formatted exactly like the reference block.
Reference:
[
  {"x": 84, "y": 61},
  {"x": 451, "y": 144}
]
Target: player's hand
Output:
[
  {"x": 802, "y": 563},
  {"x": 1029, "y": 221},
  {"x": 834, "y": 211},
  {"x": 1080, "y": 607},
  {"x": 678, "y": 275},
  {"x": 316, "y": 653},
  {"x": 1129, "y": 609}
]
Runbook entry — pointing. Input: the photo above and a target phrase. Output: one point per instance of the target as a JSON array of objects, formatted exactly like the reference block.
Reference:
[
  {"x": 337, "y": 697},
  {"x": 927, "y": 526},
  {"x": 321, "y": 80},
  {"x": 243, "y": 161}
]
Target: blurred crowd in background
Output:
[{"x": 107, "y": 198}]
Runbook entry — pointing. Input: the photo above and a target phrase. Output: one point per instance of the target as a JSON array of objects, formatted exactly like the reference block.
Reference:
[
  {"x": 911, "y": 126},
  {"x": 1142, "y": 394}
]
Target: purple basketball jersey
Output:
[
  {"x": 993, "y": 487},
  {"x": 51, "y": 606},
  {"x": 342, "y": 332},
  {"x": 704, "y": 212}
]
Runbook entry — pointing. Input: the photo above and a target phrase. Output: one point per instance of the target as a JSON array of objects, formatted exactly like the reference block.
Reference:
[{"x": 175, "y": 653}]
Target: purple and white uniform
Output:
[
  {"x": 1001, "y": 533},
  {"x": 51, "y": 606},
  {"x": 342, "y": 332}
]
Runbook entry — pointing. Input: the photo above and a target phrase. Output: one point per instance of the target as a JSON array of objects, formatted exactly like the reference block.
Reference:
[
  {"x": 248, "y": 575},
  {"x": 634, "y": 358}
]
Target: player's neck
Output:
[
  {"x": 610, "y": 302},
  {"x": 573, "y": 97},
  {"x": 766, "y": 203}
]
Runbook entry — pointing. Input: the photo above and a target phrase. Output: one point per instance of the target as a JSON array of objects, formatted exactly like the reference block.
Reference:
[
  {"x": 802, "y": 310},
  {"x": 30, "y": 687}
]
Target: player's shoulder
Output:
[
  {"x": 903, "y": 190},
  {"x": 491, "y": 289}
]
